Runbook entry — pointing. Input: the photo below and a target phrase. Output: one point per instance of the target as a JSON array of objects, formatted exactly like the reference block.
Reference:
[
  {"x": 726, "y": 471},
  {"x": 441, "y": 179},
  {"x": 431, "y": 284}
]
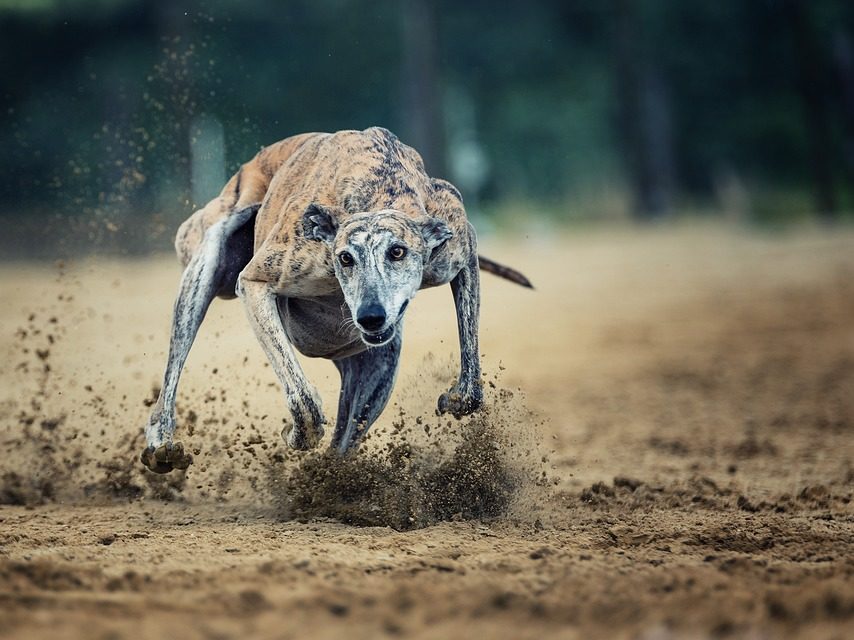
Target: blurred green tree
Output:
[{"x": 567, "y": 106}]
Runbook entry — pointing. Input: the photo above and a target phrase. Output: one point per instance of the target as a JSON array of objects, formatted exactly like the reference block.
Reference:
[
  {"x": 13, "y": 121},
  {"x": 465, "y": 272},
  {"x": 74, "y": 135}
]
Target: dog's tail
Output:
[{"x": 503, "y": 272}]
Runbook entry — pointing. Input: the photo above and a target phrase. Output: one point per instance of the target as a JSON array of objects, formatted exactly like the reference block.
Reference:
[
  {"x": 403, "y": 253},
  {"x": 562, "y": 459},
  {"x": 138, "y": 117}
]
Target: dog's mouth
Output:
[{"x": 379, "y": 338}]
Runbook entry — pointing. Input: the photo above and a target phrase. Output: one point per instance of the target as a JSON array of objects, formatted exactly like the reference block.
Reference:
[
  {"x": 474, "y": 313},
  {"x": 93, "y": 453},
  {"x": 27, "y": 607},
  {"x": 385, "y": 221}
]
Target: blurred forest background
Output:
[{"x": 118, "y": 117}]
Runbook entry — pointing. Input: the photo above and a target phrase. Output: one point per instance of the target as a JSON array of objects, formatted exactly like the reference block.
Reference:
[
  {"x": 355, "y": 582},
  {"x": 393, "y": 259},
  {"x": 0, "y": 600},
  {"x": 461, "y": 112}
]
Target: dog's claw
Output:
[
  {"x": 460, "y": 404},
  {"x": 303, "y": 439},
  {"x": 166, "y": 457}
]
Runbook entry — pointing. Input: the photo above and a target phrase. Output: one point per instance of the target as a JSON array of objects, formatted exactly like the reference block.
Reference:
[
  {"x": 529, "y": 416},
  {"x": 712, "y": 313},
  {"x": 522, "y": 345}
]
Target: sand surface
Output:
[{"x": 667, "y": 452}]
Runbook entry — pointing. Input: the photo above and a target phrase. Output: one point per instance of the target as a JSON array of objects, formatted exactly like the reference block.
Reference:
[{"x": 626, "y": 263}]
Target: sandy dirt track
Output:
[{"x": 674, "y": 412}]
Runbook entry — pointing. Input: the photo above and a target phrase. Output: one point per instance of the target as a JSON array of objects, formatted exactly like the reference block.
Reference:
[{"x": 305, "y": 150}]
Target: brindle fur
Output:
[{"x": 273, "y": 237}]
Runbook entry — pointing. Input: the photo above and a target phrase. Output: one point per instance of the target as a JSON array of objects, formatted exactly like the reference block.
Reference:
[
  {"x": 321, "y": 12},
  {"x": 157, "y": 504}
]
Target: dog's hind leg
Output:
[
  {"x": 367, "y": 379},
  {"x": 208, "y": 273}
]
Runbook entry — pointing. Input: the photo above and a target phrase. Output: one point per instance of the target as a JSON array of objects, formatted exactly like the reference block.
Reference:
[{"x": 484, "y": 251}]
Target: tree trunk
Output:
[
  {"x": 843, "y": 54},
  {"x": 814, "y": 105},
  {"x": 644, "y": 120},
  {"x": 174, "y": 84},
  {"x": 422, "y": 95}
]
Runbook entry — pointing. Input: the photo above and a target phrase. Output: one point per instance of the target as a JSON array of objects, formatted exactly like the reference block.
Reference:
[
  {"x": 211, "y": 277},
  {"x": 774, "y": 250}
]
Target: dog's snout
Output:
[{"x": 371, "y": 317}]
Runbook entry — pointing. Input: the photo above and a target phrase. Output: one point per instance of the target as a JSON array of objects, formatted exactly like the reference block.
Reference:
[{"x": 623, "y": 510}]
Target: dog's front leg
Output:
[
  {"x": 466, "y": 396},
  {"x": 259, "y": 300}
]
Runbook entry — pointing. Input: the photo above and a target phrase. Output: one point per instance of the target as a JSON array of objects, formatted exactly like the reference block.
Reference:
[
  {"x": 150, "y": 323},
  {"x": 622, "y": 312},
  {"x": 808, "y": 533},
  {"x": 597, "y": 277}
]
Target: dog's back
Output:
[
  {"x": 245, "y": 188},
  {"x": 354, "y": 170}
]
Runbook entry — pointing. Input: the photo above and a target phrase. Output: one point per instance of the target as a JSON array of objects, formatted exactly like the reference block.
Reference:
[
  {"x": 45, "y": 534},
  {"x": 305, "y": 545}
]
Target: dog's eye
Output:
[
  {"x": 397, "y": 253},
  {"x": 345, "y": 259}
]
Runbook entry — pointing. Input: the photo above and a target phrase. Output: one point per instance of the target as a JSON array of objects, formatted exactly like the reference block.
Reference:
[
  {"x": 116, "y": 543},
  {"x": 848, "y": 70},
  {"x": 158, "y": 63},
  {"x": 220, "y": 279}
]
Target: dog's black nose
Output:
[{"x": 371, "y": 317}]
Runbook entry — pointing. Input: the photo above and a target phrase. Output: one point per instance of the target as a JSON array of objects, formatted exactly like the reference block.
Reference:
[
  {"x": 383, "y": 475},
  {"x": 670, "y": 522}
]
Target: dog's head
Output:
[{"x": 379, "y": 260}]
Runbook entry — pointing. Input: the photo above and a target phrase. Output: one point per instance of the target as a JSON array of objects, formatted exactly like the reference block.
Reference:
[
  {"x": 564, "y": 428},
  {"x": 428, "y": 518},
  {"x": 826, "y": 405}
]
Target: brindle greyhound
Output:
[{"x": 326, "y": 238}]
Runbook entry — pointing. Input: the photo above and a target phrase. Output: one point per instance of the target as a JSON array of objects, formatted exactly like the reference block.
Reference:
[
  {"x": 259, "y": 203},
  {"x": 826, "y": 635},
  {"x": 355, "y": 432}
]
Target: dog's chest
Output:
[{"x": 320, "y": 327}]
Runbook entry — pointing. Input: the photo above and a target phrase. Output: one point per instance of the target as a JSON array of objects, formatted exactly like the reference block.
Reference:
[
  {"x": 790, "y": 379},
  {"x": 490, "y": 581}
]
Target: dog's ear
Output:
[
  {"x": 319, "y": 222},
  {"x": 435, "y": 232}
]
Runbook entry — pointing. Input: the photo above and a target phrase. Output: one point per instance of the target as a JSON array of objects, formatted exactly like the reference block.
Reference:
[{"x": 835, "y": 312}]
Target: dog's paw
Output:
[
  {"x": 460, "y": 403},
  {"x": 306, "y": 430},
  {"x": 166, "y": 457},
  {"x": 302, "y": 439}
]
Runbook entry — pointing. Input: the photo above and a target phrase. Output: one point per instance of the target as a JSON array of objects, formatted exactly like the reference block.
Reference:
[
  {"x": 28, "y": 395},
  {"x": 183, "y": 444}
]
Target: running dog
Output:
[{"x": 326, "y": 238}]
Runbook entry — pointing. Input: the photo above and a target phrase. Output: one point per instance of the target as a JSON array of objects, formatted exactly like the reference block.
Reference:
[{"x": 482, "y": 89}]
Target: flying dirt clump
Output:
[{"x": 477, "y": 475}]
